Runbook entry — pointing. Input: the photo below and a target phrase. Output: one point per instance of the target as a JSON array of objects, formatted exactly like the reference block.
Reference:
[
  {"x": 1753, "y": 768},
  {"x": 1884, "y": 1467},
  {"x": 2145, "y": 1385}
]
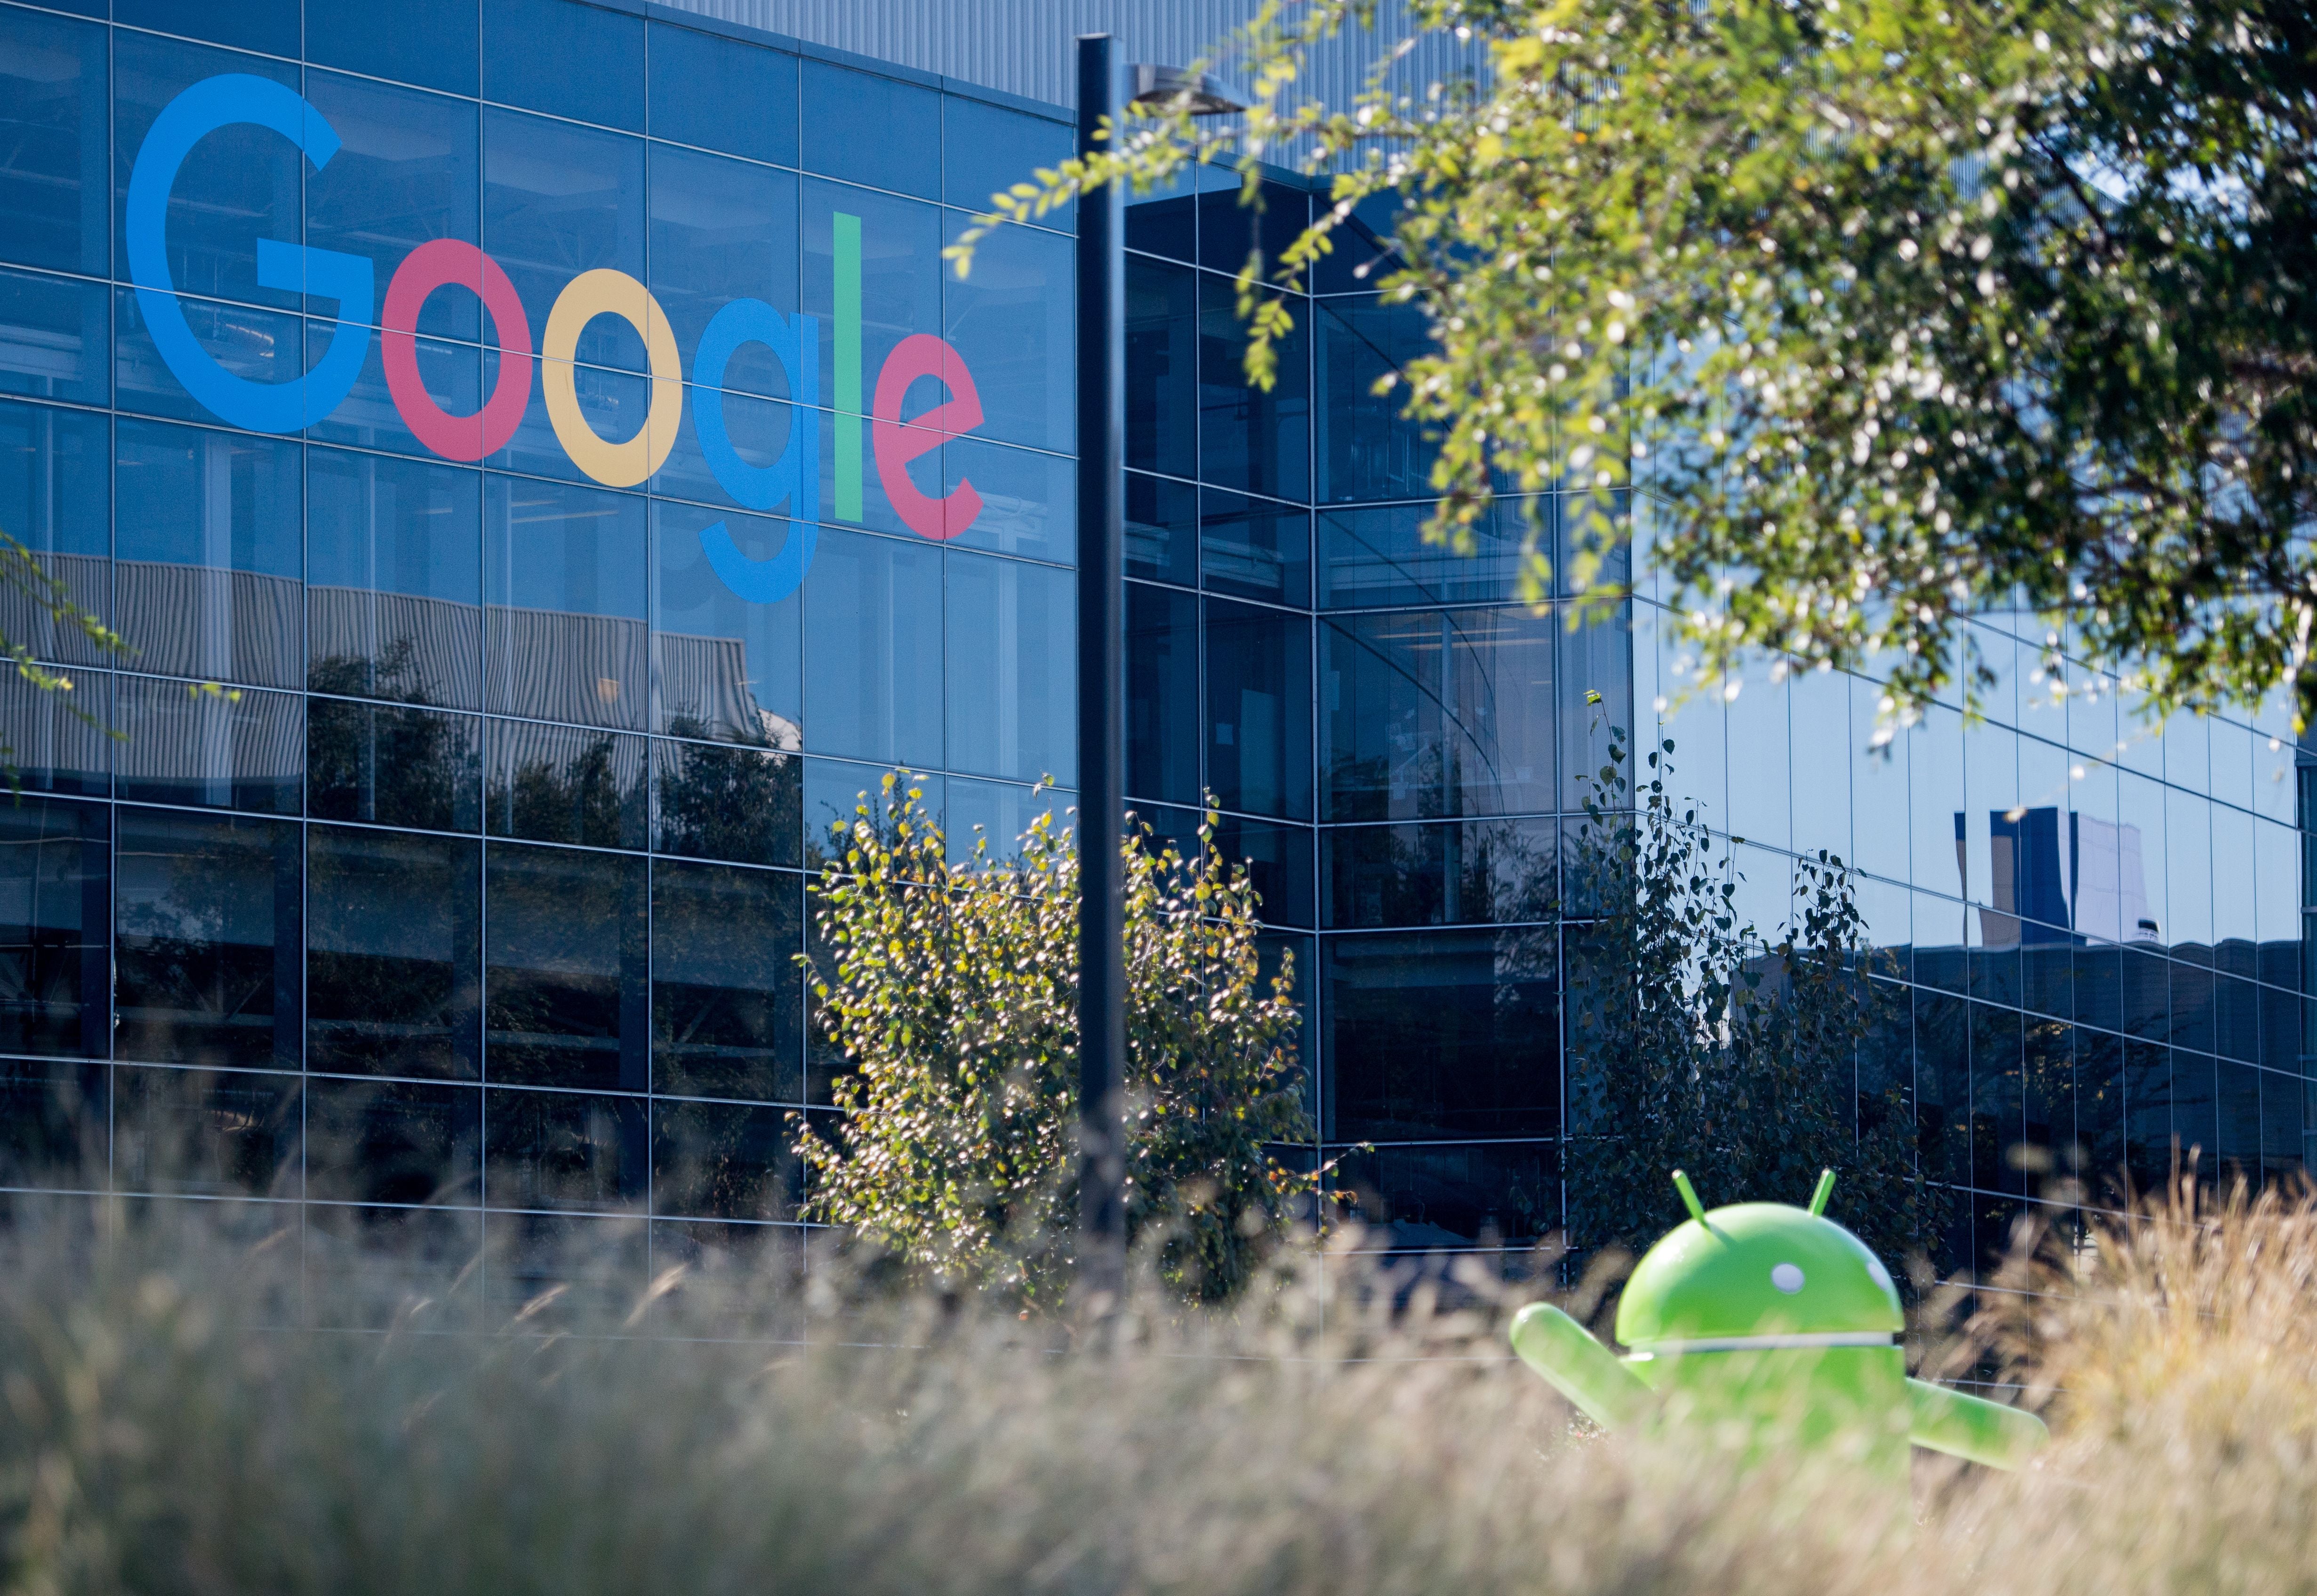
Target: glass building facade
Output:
[{"x": 555, "y": 428}]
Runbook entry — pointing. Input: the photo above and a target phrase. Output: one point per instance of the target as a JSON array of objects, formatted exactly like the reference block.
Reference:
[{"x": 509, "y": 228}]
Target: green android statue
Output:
[{"x": 1776, "y": 1324}]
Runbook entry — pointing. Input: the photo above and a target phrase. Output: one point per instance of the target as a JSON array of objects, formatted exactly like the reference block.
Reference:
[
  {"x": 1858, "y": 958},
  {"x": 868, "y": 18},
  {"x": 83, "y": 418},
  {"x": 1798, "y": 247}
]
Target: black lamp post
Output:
[{"x": 1102, "y": 667}]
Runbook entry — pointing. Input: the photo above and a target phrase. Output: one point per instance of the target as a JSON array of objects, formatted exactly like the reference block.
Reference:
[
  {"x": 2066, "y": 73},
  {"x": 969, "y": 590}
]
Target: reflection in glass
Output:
[
  {"x": 1479, "y": 874},
  {"x": 727, "y": 997},
  {"x": 210, "y": 939},
  {"x": 1162, "y": 365},
  {"x": 557, "y": 201},
  {"x": 871, "y": 129},
  {"x": 54, "y": 740},
  {"x": 563, "y": 1150},
  {"x": 435, "y": 43},
  {"x": 1259, "y": 709},
  {"x": 872, "y": 634},
  {"x": 722, "y": 93},
  {"x": 740, "y": 804},
  {"x": 727, "y": 669},
  {"x": 566, "y": 968},
  {"x": 835, "y": 792},
  {"x": 56, "y": 338},
  {"x": 723, "y": 1160},
  {"x": 564, "y": 573},
  {"x": 393, "y": 954},
  {"x": 722, "y": 230},
  {"x": 185, "y": 745},
  {"x": 393, "y": 1142},
  {"x": 1028, "y": 499},
  {"x": 997, "y": 813},
  {"x": 56, "y": 499},
  {"x": 407, "y": 173},
  {"x": 54, "y": 110},
  {"x": 392, "y": 766},
  {"x": 1013, "y": 318},
  {"x": 56, "y": 891},
  {"x": 1162, "y": 529},
  {"x": 207, "y": 1132},
  {"x": 1441, "y": 1034},
  {"x": 1418, "y": 1197},
  {"x": 1162, "y": 695},
  {"x": 569, "y": 60},
  {"x": 1278, "y": 860},
  {"x": 211, "y": 553},
  {"x": 55, "y": 1122},
  {"x": 561, "y": 784},
  {"x": 1254, "y": 550},
  {"x": 393, "y": 602},
  {"x": 1438, "y": 713},
  {"x": 987, "y": 148},
  {"x": 1252, "y": 438},
  {"x": 1230, "y": 226},
  {"x": 1012, "y": 675},
  {"x": 1368, "y": 448}
]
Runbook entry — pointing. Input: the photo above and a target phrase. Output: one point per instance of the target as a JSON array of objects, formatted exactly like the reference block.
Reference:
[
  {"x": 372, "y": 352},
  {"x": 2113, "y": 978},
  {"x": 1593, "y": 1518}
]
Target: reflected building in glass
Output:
[{"x": 549, "y": 648}]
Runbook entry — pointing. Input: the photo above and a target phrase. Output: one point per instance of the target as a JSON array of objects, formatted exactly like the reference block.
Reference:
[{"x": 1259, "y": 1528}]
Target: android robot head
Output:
[{"x": 1775, "y": 1326}]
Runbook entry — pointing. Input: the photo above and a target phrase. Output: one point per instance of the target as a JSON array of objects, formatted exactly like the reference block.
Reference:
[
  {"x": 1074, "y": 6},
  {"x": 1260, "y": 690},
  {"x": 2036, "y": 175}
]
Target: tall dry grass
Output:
[{"x": 168, "y": 1425}]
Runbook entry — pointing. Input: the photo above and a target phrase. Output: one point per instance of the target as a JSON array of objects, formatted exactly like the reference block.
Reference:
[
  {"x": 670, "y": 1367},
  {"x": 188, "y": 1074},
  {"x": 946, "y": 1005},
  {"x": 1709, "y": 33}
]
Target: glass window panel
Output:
[
  {"x": 1761, "y": 801},
  {"x": 1438, "y": 713},
  {"x": 901, "y": 294},
  {"x": 2148, "y": 1114},
  {"x": 240, "y": 184},
  {"x": 1165, "y": 220},
  {"x": 55, "y": 1124},
  {"x": 565, "y": 574},
  {"x": 2237, "y": 1090},
  {"x": 1029, "y": 500},
  {"x": 207, "y": 921},
  {"x": 261, "y": 345},
  {"x": 1162, "y": 363},
  {"x": 1936, "y": 798},
  {"x": 997, "y": 814},
  {"x": 724, "y": 1161},
  {"x": 1278, "y": 860},
  {"x": 434, "y": 43},
  {"x": 1162, "y": 529},
  {"x": 54, "y": 111},
  {"x": 2192, "y": 1006},
  {"x": 2277, "y": 886},
  {"x": 54, "y": 740},
  {"x": 728, "y": 997},
  {"x": 1371, "y": 558},
  {"x": 1254, "y": 549},
  {"x": 2187, "y": 749},
  {"x": 1162, "y": 695},
  {"x": 268, "y": 25},
  {"x": 2147, "y": 993},
  {"x": 871, "y": 129},
  {"x": 579, "y": 62},
  {"x": 1991, "y": 761},
  {"x": 563, "y": 784},
  {"x": 56, "y": 498},
  {"x": 872, "y": 630},
  {"x": 55, "y": 903},
  {"x": 393, "y": 1142},
  {"x": 723, "y": 230},
  {"x": 723, "y": 94},
  {"x": 1259, "y": 709},
  {"x": 408, "y": 172},
  {"x": 2236, "y": 930},
  {"x": 558, "y": 201},
  {"x": 56, "y": 338},
  {"x": 564, "y": 1150},
  {"x": 1251, "y": 439},
  {"x": 245, "y": 749},
  {"x": 758, "y": 429},
  {"x": 208, "y": 582},
  {"x": 1495, "y": 1194},
  {"x": 568, "y": 1271},
  {"x": 742, "y": 804},
  {"x": 2099, "y": 986},
  {"x": 394, "y": 954},
  {"x": 2232, "y": 761},
  {"x": 1942, "y": 930},
  {"x": 206, "y": 1132},
  {"x": 368, "y": 418},
  {"x": 1823, "y": 755},
  {"x": 2236, "y": 1018},
  {"x": 834, "y": 791},
  {"x": 615, "y": 405},
  {"x": 392, "y": 766},
  {"x": 2195, "y": 1120},
  {"x": 1231, "y": 227},
  {"x": 727, "y": 668},
  {"x": 1012, "y": 651},
  {"x": 1485, "y": 873},
  {"x": 1368, "y": 449},
  {"x": 1998, "y": 1110},
  {"x": 1014, "y": 319},
  {"x": 394, "y": 601},
  {"x": 1888, "y": 910},
  {"x": 1362, "y": 255},
  {"x": 1441, "y": 1034},
  {"x": 986, "y": 149},
  {"x": 1942, "y": 1067},
  {"x": 566, "y": 971},
  {"x": 2100, "y": 1115},
  {"x": 2188, "y": 866}
]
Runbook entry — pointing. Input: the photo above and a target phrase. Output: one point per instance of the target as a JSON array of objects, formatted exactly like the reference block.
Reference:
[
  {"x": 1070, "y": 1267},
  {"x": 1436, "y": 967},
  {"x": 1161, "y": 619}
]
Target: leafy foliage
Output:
[
  {"x": 23, "y": 576},
  {"x": 951, "y": 990},
  {"x": 1695, "y": 1043},
  {"x": 1901, "y": 308}
]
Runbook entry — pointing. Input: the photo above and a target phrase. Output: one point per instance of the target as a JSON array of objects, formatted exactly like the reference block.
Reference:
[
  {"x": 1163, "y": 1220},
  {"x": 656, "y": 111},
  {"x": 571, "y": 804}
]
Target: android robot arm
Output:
[
  {"x": 1579, "y": 1367},
  {"x": 1971, "y": 1427}
]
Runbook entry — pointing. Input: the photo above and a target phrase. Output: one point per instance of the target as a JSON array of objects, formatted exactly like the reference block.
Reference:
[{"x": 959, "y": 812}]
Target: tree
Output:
[
  {"x": 1903, "y": 308},
  {"x": 951, "y": 992},
  {"x": 1697, "y": 1043}
]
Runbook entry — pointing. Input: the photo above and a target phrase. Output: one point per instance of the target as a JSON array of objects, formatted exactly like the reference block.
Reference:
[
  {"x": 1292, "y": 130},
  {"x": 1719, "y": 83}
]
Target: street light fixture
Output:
[{"x": 1102, "y": 665}]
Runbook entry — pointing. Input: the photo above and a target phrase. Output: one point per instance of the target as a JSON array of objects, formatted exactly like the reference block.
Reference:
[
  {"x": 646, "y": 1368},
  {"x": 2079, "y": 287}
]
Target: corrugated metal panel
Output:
[{"x": 1023, "y": 47}]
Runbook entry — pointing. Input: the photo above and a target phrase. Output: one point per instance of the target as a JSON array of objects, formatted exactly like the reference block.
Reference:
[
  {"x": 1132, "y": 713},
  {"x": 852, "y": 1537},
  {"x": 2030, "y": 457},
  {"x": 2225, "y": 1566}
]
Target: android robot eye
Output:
[{"x": 1787, "y": 1278}]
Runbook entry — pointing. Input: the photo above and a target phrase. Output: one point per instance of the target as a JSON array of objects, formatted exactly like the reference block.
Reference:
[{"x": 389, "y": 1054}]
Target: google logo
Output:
[{"x": 231, "y": 99}]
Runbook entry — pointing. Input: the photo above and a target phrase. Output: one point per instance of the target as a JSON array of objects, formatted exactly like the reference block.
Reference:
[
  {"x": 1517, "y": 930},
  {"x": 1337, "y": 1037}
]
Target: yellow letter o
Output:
[{"x": 605, "y": 292}]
